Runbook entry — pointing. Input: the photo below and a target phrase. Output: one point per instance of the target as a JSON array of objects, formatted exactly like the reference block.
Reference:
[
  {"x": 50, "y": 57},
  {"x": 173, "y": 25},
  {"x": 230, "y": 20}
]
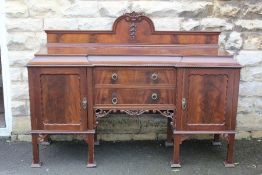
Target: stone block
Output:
[
  {"x": 258, "y": 105},
  {"x": 254, "y": 24},
  {"x": 19, "y": 91},
  {"x": 215, "y": 24},
  {"x": 145, "y": 136},
  {"x": 21, "y": 41},
  {"x": 115, "y": 137},
  {"x": 47, "y": 8},
  {"x": 153, "y": 123},
  {"x": 82, "y": 9},
  {"x": 113, "y": 8},
  {"x": 250, "y": 89},
  {"x": 79, "y": 23},
  {"x": 166, "y": 24},
  {"x": 190, "y": 24},
  {"x": 256, "y": 134},
  {"x": 249, "y": 58},
  {"x": 253, "y": 41},
  {"x": 24, "y": 138},
  {"x": 155, "y": 8},
  {"x": 29, "y": 24},
  {"x": 251, "y": 74},
  {"x": 253, "y": 10},
  {"x": 226, "y": 9},
  {"x": 21, "y": 125},
  {"x": 177, "y": 8},
  {"x": 249, "y": 122},
  {"x": 161, "y": 136},
  {"x": 243, "y": 135},
  {"x": 15, "y": 74},
  {"x": 16, "y": 9},
  {"x": 119, "y": 123},
  {"x": 234, "y": 41},
  {"x": 19, "y": 108},
  {"x": 245, "y": 105},
  {"x": 20, "y": 58}
]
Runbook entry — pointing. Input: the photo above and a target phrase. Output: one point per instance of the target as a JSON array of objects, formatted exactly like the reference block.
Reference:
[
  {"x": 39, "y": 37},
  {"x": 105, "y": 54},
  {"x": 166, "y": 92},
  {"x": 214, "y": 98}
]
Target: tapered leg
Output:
[
  {"x": 90, "y": 140},
  {"x": 216, "y": 140},
  {"x": 36, "y": 162},
  {"x": 176, "y": 153},
  {"x": 169, "y": 141},
  {"x": 229, "y": 162}
]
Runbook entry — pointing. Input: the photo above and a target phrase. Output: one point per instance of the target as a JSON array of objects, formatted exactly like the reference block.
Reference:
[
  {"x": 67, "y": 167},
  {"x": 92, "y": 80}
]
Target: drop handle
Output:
[
  {"x": 114, "y": 100},
  {"x": 184, "y": 103},
  {"x": 84, "y": 103},
  {"x": 154, "y": 96},
  {"x": 154, "y": 76}
]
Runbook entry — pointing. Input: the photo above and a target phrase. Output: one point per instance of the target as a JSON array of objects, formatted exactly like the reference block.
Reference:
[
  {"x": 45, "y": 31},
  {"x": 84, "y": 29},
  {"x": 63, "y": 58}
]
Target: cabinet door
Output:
[
  {"x": 61, "y": 93},
  {"x": 208, "y": 98}
]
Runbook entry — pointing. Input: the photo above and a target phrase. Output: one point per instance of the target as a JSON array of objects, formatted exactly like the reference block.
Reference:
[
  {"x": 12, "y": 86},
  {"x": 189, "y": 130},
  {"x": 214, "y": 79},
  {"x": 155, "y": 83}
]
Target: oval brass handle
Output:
[
  {"x": 114, "y": 76},
  {"x": 114, "y": 100},
  {"x": 154, "y": 96},
  {"x": 154, "y": 76}
]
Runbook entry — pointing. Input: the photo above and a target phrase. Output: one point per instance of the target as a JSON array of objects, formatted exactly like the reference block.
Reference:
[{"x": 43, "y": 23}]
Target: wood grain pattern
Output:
[
  {"x": 135, "y": 76},
  {"x": 78, "y": 65},
  {"x": 206, "y": 92},
  {"x": 134, "y": 96},
  {"x": 145, "y": 33}
]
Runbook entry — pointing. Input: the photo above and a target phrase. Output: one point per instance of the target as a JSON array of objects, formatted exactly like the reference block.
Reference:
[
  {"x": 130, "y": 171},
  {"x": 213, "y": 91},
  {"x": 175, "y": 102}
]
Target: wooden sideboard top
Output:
[{"x": 133, "y": 35}]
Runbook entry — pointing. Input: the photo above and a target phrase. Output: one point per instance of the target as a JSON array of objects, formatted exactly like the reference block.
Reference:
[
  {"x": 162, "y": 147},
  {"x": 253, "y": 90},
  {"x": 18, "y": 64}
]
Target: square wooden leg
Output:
[
  {"x": 229, "y": 162},
  {"x": 36, "y": 162},
  {"x": 91, "y": 162},
  {"x": 176, "y": 152},
  {"x": 169, "y": 138},
  {"x": 216, "y": 141}
]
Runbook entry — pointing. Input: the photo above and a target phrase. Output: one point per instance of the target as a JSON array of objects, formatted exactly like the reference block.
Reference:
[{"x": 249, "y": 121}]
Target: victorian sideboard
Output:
[{"x": 81, "y": 76}]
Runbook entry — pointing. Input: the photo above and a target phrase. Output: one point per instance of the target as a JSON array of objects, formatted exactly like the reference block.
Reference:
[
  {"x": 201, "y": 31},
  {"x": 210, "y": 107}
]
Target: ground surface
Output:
[{"x": 130, "y": 158}]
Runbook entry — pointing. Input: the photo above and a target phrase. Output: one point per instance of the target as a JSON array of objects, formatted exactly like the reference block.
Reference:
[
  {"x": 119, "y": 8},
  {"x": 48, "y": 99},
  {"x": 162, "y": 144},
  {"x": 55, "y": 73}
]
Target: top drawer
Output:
[{"x": 128, "y": 75}]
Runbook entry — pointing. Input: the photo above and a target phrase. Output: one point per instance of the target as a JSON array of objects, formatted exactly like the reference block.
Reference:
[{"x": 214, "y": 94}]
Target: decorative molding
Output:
[
  {"x": 135, "y": 112},
  {"x": 102, "y": 113},
  {"x": 133, "y": 18},
  {"x": 167, "y": 113}
]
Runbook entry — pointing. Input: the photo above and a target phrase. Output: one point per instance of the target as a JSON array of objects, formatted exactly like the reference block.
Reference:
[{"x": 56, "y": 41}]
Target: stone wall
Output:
[{"x": 239, "y": 20}]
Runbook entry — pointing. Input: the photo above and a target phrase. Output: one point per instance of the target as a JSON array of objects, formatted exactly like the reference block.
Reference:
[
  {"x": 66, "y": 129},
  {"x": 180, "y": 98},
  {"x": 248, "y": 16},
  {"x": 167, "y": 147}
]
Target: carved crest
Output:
[{"x": 133, "y": 18}]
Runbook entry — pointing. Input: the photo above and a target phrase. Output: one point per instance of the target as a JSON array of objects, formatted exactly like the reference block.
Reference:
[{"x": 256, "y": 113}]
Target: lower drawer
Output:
[{"x": 134, "y": 96}]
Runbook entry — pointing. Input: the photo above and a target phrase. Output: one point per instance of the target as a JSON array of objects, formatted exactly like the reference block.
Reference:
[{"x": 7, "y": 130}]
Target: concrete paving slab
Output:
[{"x": 130, "y": 158}]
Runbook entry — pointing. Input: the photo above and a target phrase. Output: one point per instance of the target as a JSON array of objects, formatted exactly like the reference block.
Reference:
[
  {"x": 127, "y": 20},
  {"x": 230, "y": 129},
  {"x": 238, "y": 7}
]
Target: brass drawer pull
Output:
[
  {"x": 114, "y": 100},
  {"x": 114, "y": 76},
  {"x": 154, "y": 96},
  {"x": 84, "y": 103},
  {"x": 154, "y": 76}
]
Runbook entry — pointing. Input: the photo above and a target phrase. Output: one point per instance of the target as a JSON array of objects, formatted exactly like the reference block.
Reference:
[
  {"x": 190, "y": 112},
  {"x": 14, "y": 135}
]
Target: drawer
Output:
[
  {"x": 126, "y": 75},
  {"x": 116, "y": 96}
]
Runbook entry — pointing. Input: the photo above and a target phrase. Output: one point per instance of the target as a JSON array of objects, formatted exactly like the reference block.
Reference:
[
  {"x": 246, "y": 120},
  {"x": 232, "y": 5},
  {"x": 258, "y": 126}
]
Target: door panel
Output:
[
  {"x": 61, "y": 95},
  {"x": 206, "y": 93}
]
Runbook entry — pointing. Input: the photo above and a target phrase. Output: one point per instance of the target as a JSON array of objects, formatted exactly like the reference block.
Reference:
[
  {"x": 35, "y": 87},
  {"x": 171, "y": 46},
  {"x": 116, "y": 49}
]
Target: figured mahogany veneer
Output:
[{"x": 81, "y": 76}]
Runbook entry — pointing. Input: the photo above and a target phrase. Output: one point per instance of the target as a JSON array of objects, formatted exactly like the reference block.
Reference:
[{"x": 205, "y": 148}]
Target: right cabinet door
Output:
[{"x": 207, "y": 99}]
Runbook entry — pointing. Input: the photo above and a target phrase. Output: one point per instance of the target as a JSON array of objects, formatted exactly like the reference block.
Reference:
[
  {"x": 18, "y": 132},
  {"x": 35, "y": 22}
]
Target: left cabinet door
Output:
[{"x": 58, "y": 98}]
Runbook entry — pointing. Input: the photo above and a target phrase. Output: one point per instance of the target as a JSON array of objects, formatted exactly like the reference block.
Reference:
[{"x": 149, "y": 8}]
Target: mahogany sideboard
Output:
[{"x": 81, "y": 76}]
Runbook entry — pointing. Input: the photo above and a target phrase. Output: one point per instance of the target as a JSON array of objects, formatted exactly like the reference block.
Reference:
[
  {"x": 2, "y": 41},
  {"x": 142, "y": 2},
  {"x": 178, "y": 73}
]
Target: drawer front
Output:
[
  {"x": 134, "y": 96},
  {"x": 137, "y": 76}
]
